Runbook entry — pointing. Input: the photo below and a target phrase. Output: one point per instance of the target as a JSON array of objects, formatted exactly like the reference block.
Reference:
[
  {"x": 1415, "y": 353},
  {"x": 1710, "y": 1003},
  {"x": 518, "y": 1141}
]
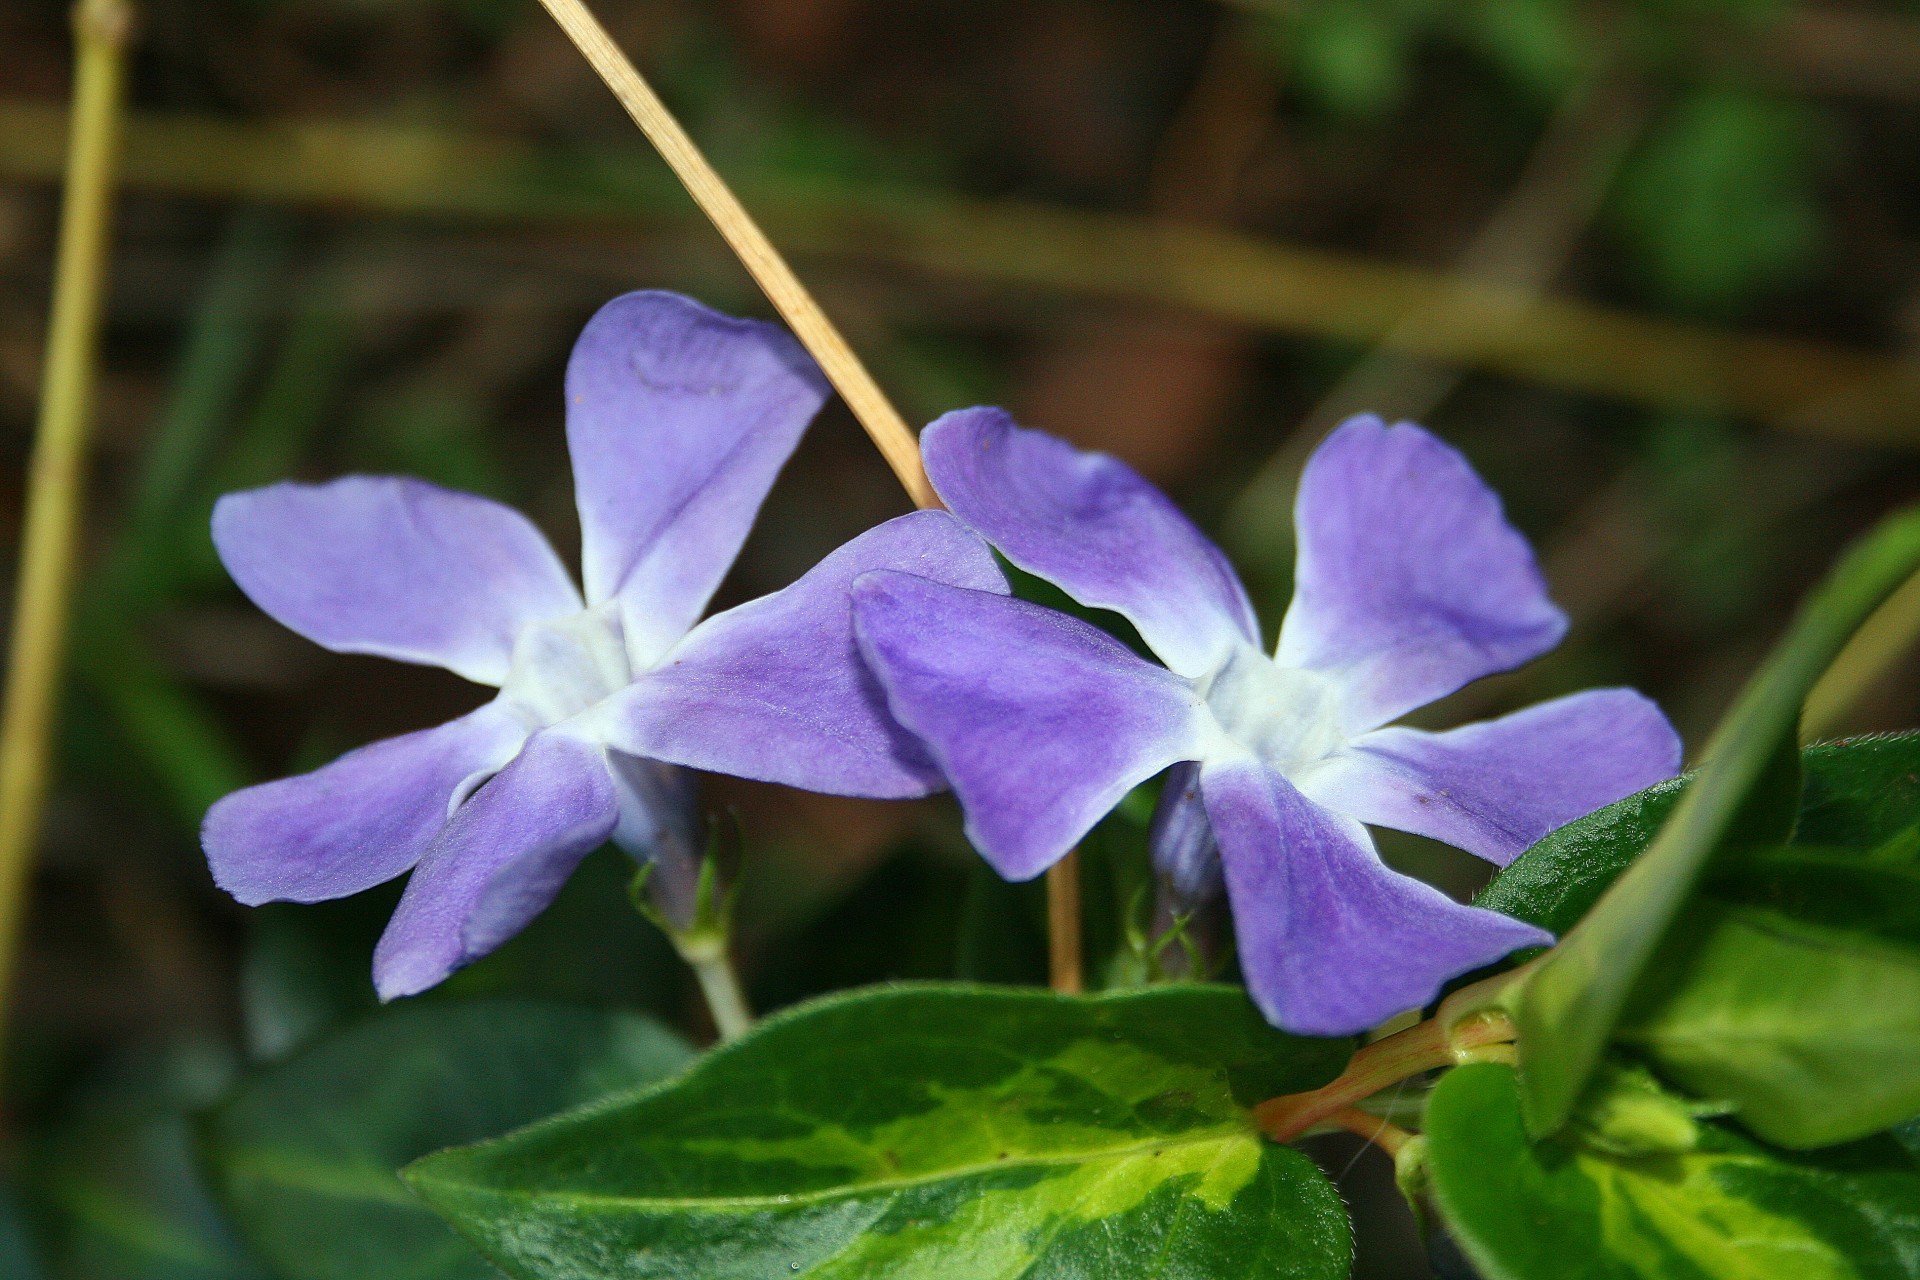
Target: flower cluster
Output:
[{"x": 902, "y": 664}]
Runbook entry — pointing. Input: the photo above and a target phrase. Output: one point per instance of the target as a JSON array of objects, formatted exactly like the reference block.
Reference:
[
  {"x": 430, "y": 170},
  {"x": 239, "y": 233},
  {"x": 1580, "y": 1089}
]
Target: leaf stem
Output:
[
  {"x": 870, "y": 405},
  {"x": 56, "y": 477},
  {"x": 1378, "y": 1130}
]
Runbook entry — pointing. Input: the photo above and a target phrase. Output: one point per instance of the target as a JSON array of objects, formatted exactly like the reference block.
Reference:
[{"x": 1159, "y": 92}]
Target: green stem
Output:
[
  {"x": 56, "y": 478},
  {"x": 706, "y": 954}
]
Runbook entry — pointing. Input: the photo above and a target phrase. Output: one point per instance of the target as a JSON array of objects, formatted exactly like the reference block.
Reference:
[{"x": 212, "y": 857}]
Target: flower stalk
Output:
[
  {"x": 57, "y": 473},
  {"x": 1469, "y": 1027}
]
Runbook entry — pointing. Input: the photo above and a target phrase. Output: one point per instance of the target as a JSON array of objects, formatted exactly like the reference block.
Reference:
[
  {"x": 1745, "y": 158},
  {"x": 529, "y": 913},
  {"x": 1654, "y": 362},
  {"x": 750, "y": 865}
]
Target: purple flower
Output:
[
  {"x": 678, "y": 420},
  {"x": 1410, "y": 584}
]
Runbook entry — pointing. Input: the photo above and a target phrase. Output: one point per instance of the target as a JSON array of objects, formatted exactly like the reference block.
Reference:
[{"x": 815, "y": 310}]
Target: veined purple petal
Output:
[
  {"x": 357, "y": 822},
  {"x": 1040, "y": 721},
  {"x": 1496, "y": 787},
  {"x": 1332, "y": 941},
  {"x": 498, "y": 863},
  {"x": 777, "y": 690},
  {"x": 1410, "y": 582},
  {"x": 1089, "y": 524},
  {"x": 395, "y": 567},
  {"x": 679, "y": 418}
]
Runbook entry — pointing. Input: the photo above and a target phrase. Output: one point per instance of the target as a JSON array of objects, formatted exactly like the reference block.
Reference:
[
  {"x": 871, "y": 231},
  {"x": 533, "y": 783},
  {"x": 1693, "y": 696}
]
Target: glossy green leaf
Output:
[
  {"x": 1730, "y": 1209},
  {"x": 1857, "y": 794},
  {"x": 931, "y": 1133},
  {"x": 1811, "y": 1032},
  {"x": 1569, "y": 1006},
  {"x": 305, "y": 1153}
]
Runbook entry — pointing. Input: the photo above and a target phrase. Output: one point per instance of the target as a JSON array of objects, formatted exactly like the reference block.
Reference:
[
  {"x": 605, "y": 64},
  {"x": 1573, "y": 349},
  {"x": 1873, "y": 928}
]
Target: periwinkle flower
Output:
[
  {"x": 678, "y": 421},
  {"x": 1409, "y": 584}
]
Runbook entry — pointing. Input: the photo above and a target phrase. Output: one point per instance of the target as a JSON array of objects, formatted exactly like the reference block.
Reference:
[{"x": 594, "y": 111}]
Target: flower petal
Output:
[
  {"x": 1410, "y": 582},
  {"x": 678, "y": 418},
  {"x": 357, "y": 822},
  {"x": 1040, "y": 721},
  {"x": 1332, "y": 941},
  {"x": 1496, "y": 787},
  {"x": 777, "y": 690},
  {"x": 498, "y": 863},
  {"x": 1089, "y": 524},
  {"x": 395, "y": 567}
]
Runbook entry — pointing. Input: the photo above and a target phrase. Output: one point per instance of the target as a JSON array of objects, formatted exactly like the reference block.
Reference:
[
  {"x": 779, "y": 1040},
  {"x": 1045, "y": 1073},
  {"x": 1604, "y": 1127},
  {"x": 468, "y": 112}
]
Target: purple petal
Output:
[
  {"x": 660, "y": 824},
  {"x": 1495, "y": 788},
  {"x": 1040, "y": 721},
  {"x": 394, "y": 567},
  {"x": 498, "y": 863},
  {"x": 357, "y": 822},
  {"x": 777, "y": 690},
  {"x": 1410, "y": 582},
  {"x": 679, "y": 418},
  {"x": 1094, "y": 528},
  {"x": 1332, "y": 941}
]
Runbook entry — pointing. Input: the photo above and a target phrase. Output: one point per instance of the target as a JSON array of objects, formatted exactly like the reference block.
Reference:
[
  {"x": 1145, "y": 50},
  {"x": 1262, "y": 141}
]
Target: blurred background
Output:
[{"x": 1654, "y": 265}]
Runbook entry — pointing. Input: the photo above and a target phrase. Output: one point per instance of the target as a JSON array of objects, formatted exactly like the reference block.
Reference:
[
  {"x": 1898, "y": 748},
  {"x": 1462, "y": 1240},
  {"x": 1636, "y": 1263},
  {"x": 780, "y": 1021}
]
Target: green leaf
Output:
[
  {"x": 304, "y": 1154},
  {"x": 1811, "y": 1032},
  {"x": 1729, "y": 1208},
  {"x": 1568, "y": 1007},
  {"x": 929, "y": 1133},
  {"x": 1856, "y": 795}
]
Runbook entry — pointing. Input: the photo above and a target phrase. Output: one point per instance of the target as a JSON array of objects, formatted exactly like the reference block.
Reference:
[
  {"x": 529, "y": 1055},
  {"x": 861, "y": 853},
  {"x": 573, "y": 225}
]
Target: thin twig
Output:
[
  {"x": 1521, "y": 248},
  {"x": 870, "y": 405},
  {"x": 57, "y": 476},
  {"x": 1793, "y": 385},
  {"x": 1063, "y": 925}
]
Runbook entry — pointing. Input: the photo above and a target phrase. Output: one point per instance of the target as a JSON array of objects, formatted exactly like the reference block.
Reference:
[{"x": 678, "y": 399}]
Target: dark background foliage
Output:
[{"x": 361, "y": 234}]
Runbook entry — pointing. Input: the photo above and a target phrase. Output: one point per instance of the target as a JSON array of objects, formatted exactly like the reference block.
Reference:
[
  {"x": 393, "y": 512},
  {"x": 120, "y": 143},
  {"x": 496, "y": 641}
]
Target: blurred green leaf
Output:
[
  {"x": 1569, "y": 1004},
  {"x": 1555, "y": 1210},
  {"x": 1721, "y": 203},
  {"x": 115, "y": 1189},
  {"x": 304, "y": 1154},
  {"x": 18, "y": 1259},
  {"x": 931, "y": 1133},
  {"x": 1538, "y": 43},
  {"x": 1352, "y": 56}
]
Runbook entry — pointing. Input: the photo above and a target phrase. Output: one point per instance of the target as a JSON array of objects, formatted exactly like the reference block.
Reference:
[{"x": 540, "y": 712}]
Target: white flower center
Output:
[
  {"x": 1287, "y": 716},
  {"x": 562, "y": 668}
]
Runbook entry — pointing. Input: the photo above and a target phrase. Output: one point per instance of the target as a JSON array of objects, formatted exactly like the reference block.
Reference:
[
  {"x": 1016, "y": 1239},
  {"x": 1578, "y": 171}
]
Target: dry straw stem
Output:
[
  {"x": 870, "y": 405},
  {"x": 770, "y": 271},
  {"x": 1884, "y": 641},
  {"x": 1799, "y": 386},
  {"x": 57, "y": 474}
]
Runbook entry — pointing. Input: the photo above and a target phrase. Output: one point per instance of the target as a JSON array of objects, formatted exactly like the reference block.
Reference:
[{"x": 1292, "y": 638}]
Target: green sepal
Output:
[
  {"x": 304, "y": 1155},
  {"x": 1574, "y": 996},
  {"x": 1562, "y": 1210},
  {"x": 928, "y": 1132}
]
